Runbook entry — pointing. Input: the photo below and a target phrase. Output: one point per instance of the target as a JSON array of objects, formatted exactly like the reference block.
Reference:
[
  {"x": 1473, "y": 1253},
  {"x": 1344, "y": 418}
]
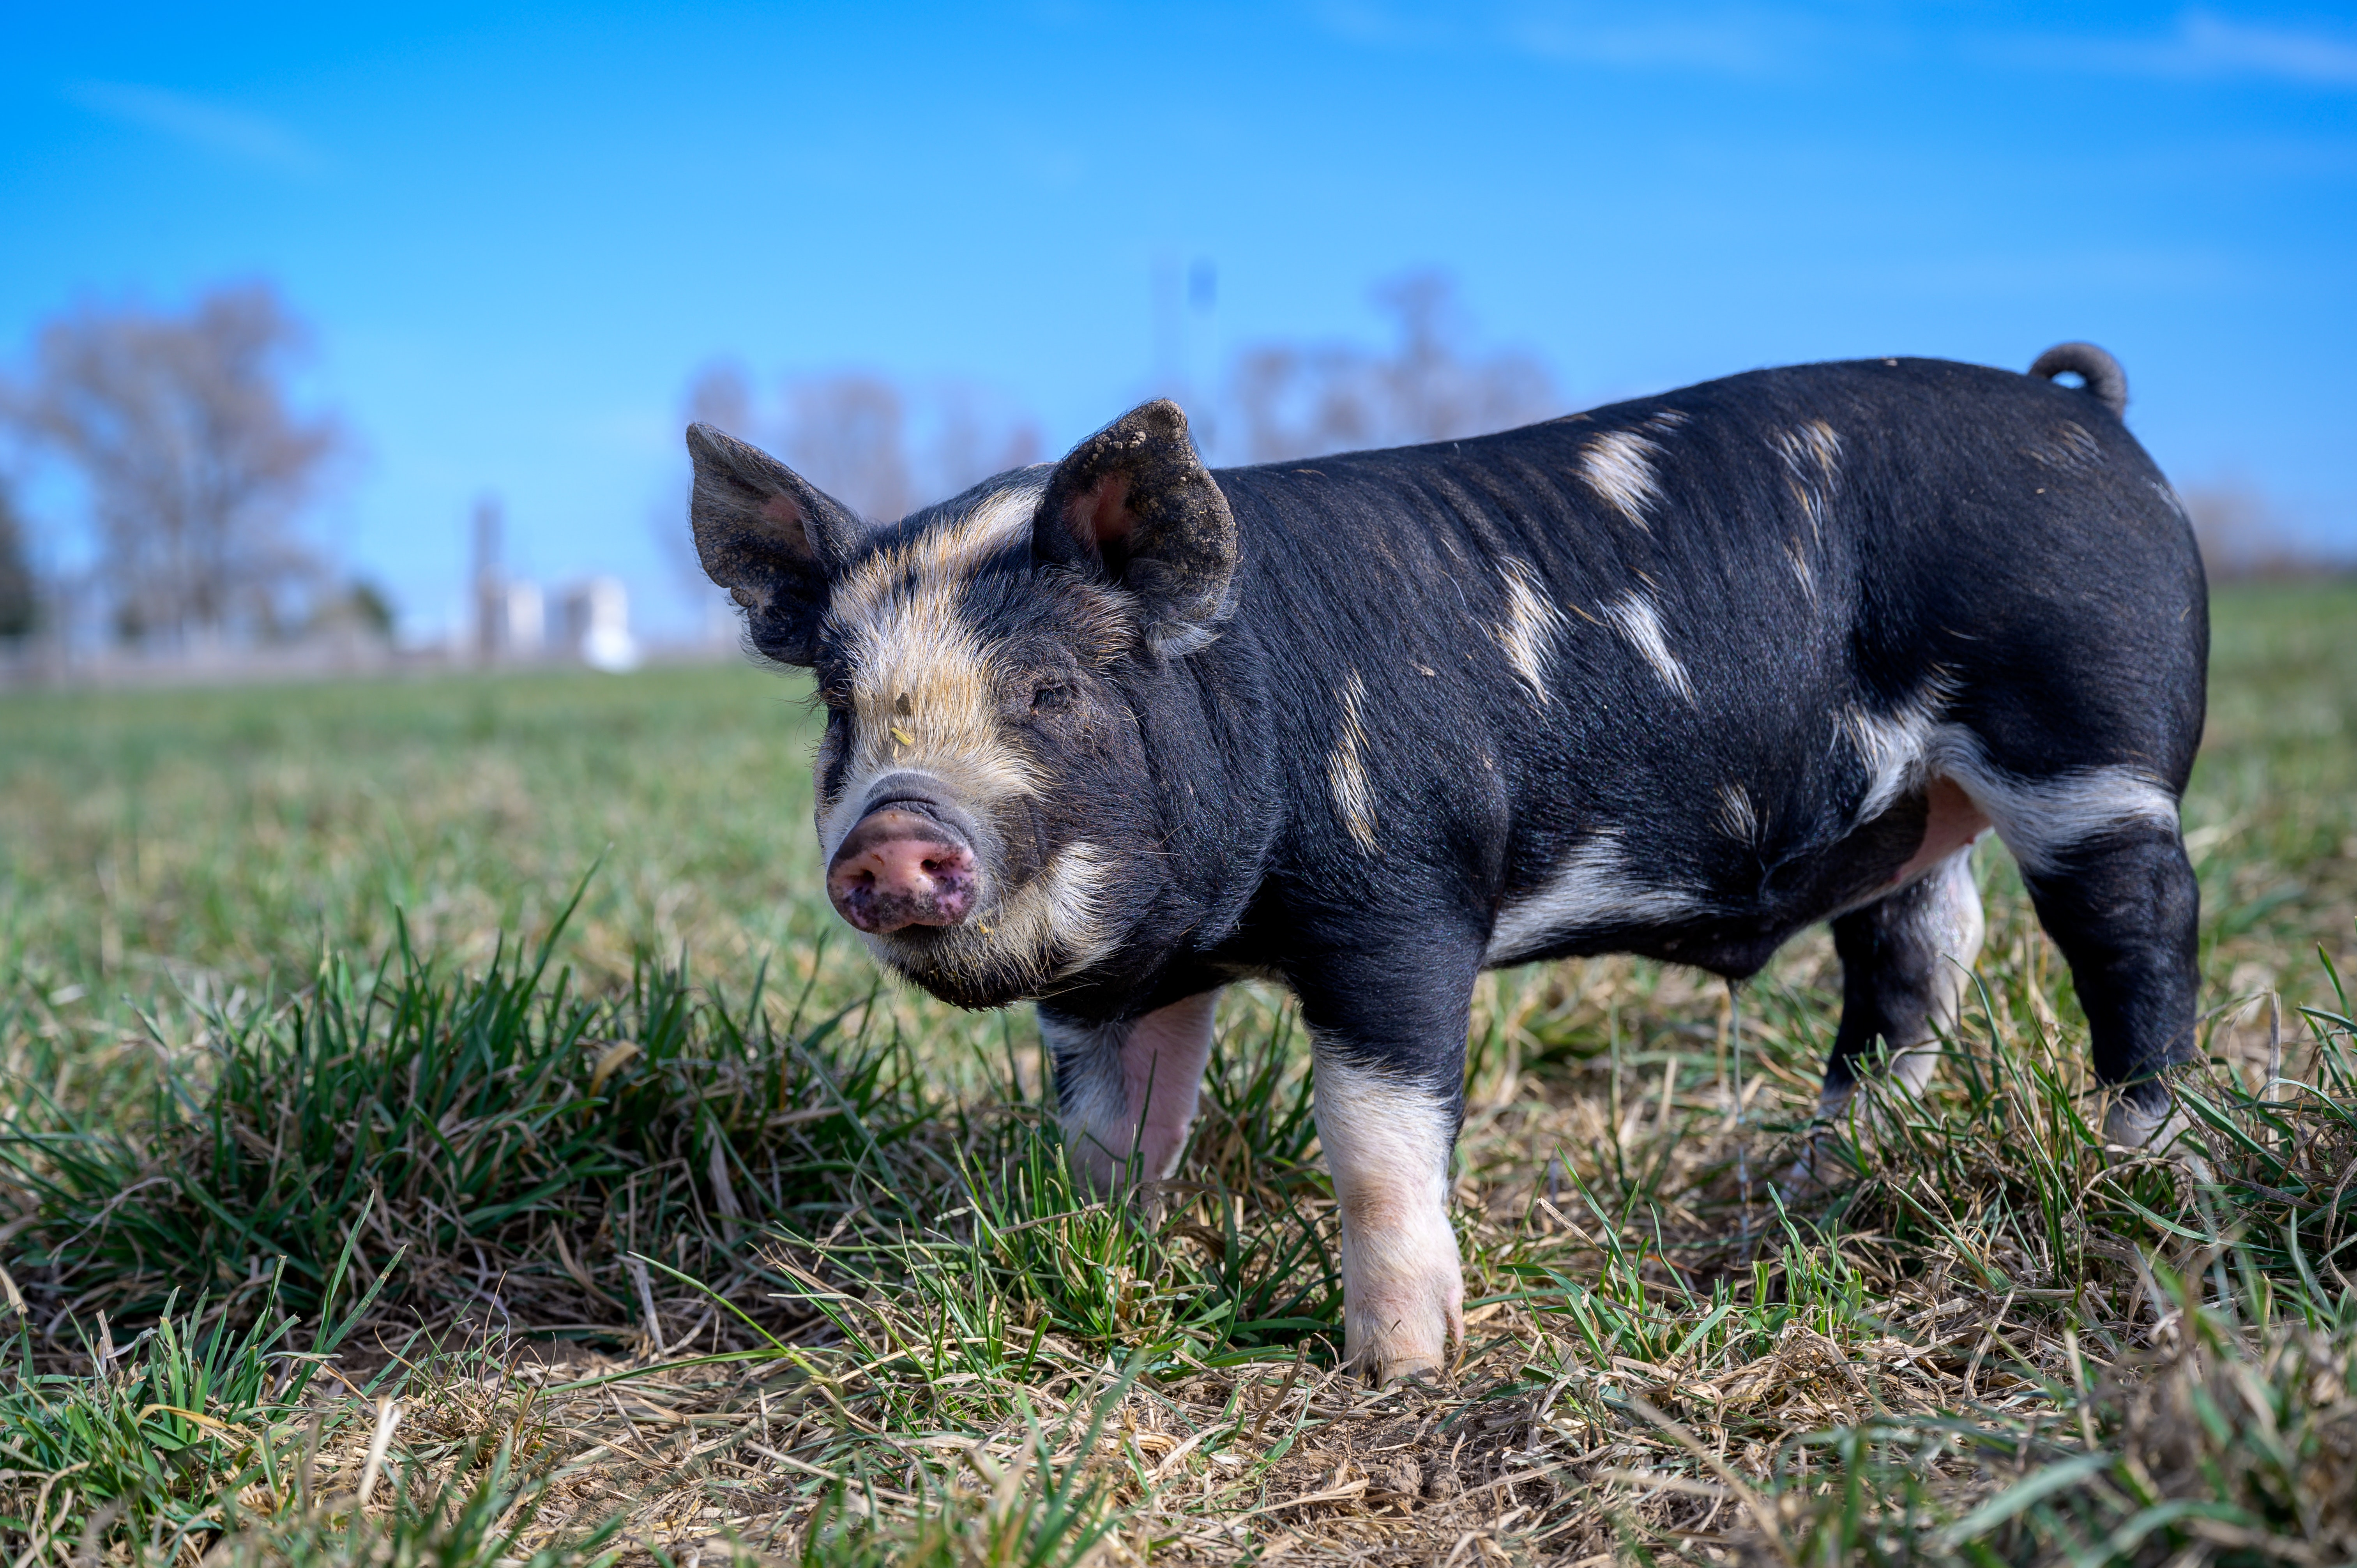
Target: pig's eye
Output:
[{"x": 1051, "y": 697}]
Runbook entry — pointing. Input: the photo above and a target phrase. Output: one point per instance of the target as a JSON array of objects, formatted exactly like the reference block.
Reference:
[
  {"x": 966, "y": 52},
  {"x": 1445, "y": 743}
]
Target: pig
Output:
[{"x": 1676, "y": 677}]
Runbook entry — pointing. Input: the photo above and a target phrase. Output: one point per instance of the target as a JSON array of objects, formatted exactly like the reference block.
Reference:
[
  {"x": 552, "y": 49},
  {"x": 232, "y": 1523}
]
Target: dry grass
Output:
[{"x": 755, "y": 1261}]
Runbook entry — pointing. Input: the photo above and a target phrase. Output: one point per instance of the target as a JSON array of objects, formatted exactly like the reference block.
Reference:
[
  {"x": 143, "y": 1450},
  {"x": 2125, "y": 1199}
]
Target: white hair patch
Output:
[
  {"x": 1134, "y": 1084},
  {"x": 1812, "y": 450},
  {"x": 1591, "y": 888},
  {"x": 1738, "y": 819},
  {"x": 1532, "y": 624},
  {"x": 1346, "y": 769},
  {"x": 1618, "y": 467},
  {"x": 1812, "y": 455},
  {"x": 2040, "y": 820},
  {"x": 1634, "y": 616},
  {"x": 1802, "y": 574},
  {"x": 1091, "y": 1098}
]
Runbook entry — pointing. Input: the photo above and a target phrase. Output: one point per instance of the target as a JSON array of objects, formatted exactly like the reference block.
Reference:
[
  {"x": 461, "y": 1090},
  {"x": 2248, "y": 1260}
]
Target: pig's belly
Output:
[{"x": 1599, "y": 896}]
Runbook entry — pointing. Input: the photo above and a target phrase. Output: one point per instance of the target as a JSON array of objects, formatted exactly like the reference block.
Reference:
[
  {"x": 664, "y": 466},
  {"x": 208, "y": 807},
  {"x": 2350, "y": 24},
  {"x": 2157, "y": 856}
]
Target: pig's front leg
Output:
[
  {"x": 1390, "y": 1056},
  {"x": 1129, "y": 1088}
]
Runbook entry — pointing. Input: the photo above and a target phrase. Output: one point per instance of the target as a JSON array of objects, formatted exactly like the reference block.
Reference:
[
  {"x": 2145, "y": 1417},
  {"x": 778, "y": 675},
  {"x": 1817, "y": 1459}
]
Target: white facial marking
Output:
[
  {"x": 1618, "y": 467},
  {"x": 924, "y": 684},
  {"x": 923, "y": 697},
  {"x": 1531, "y": 624},
  {"x": 1591, "y": 888},
  {"x": 1346, "y": 770},
  {"x": 943, "y": 554},
  {"x": 2040, "y": 820},
  {"x": 1387, "y": 1146},
  {"x": 1633, "y": 615}
]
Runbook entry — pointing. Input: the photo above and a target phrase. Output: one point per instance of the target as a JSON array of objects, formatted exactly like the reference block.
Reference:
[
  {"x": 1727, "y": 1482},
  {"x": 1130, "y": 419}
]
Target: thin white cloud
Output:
[
  {"x": 1777, "y": 38},
  {"x": 2206, "y": 45},
  {"x": 235, "y": 133},
  {"x": 1719, "y": 37},
  {"x": 1381, "y": 25},
  {"x": 1722, "y": 43}
]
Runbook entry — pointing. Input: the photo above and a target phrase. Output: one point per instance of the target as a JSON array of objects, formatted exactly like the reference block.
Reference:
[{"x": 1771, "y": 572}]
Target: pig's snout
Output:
[{"x": 898, "y": 869}]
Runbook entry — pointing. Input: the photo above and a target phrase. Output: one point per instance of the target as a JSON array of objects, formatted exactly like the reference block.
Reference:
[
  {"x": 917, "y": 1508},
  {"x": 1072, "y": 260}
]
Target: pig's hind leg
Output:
[
  {"x": 2125, "y": 908},
  {"x": 1127, "y": 1091},
  {"x": 1389, "y": 1037},
  {"x": 2102, "y": 854},
  {"x": 1907, "y": 960}
]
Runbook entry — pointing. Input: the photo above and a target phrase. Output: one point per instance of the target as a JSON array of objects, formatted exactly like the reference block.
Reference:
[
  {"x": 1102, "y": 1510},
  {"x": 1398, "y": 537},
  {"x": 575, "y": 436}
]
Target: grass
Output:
[{"x": 464, "y": 1071}]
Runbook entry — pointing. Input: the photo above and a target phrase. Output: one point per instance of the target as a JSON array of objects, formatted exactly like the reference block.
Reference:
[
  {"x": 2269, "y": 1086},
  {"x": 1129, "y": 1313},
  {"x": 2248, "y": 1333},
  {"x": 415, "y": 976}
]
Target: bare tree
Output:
[
  {"x": 972, "y": 436},
  {"x": 1299, "y": 400},
  {"x": 879, "y": 446},
  {"x": 194, "y": 458},
  {"x": 19, "y": 594},
  {"x": 847, "y": 434}
]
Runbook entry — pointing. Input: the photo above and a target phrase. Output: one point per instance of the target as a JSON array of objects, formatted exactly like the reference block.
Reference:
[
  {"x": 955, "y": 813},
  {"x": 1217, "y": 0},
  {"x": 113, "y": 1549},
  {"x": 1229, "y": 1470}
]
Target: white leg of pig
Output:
[
  {"x": 1125, "y": 1089},
  {"x": 1387, "y": 1143}
]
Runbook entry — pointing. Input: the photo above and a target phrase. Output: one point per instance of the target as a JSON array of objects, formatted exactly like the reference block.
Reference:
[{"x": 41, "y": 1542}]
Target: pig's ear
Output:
[
  {"x": 1134, "y": 501},
  {"x": 769, "y": 538}
]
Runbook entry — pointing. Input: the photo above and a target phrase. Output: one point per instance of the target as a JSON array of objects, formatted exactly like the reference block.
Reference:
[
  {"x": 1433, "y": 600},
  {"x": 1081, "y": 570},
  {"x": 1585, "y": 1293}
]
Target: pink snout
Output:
[{"x": 901, "y": 868}]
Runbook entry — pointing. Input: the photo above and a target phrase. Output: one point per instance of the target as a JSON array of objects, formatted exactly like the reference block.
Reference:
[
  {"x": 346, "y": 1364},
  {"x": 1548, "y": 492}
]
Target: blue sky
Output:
[{"x": 519, "y": 233}]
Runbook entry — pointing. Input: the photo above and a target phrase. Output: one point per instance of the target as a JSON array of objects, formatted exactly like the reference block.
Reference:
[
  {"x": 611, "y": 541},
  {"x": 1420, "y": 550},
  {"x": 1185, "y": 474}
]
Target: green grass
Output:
[{"x": 513, "y": 997}]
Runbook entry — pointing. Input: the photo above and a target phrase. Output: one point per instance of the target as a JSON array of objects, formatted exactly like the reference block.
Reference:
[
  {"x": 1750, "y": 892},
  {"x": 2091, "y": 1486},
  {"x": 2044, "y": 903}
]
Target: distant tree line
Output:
[
  {"x": 194, "y": 459},
  {"x": 881, "y": 447},
  {"x": 885, "y": 448},
  {"x": 1286, "y": 400}
]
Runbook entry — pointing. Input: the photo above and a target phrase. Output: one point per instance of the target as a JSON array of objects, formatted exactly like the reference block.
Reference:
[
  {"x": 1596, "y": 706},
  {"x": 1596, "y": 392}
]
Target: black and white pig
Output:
[{"x": 1676, "y": 677}]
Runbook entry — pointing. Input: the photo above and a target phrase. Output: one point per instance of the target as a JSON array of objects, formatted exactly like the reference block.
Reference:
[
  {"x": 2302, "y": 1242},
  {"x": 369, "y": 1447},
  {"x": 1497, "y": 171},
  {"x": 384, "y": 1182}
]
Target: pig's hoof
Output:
[
  {"x": 1410, "y": 1370},
  {"x": 2131, "y": 1129},
  {"x": 1411, "y": 1348},
  {"x": 1819, "y": 1169}
]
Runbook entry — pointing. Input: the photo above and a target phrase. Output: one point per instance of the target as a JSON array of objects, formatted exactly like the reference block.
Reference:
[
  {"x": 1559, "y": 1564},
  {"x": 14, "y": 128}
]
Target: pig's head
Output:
[{"x": 985, "y": 806}]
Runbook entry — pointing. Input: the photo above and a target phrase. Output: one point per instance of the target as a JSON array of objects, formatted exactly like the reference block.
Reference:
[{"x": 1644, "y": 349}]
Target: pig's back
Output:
[{"x": 1667, "y": 640}]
